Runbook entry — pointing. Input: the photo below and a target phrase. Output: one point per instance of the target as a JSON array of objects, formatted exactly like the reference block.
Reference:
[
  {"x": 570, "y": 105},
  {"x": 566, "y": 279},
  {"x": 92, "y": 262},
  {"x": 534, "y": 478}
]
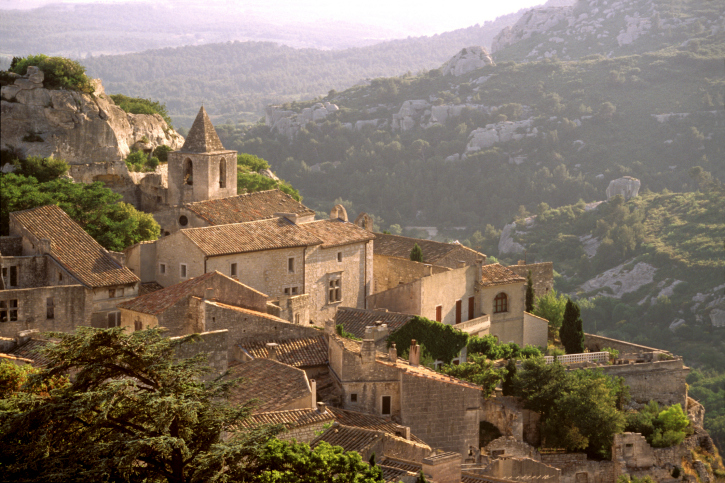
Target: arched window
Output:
[
  {"x": 500, "y": 303},
  {"x": 222, "y": 173},
  {"x": 188, "y": 172}
]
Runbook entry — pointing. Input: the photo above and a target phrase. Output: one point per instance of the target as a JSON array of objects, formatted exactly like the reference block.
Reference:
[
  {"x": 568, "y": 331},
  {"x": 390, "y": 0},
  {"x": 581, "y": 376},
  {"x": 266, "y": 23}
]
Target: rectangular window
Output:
[
  {"x": 353, "y": 397},
  {"x": 111, "y": 293},
  {"x": 182, "y": 270},
  {"x": 291, "y": 265},
  {"x": 60, "y": 276},
  {"x": 233, "y": 270},
  {"x": 439, "y": 313},
  {"x": 339, "y": 256},
  {"x": 471, "y": 306},
  {"x": 297, "y": 318},
  {"x": 459, "y": 309},
  {"x": 9, "y": 310},
  {"x": 119, "y": 292},
  {"x": 49, "y": 308},
  {"x": 162, "y": 268},
  {"x": 294, "y": 290},
  {"x": 14, "y": 276},
  {"x": 114, "y": 319},
  {"x": 386, "y": 406},
  {"x": 286, "y": 290},
  {"x": 3, "y": 311},
  {"x": 334, "y": 292}
]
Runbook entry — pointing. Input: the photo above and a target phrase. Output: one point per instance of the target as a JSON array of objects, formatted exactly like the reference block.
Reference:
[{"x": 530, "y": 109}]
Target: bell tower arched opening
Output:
[
  {"x": 188, "y": 172},
  {"x": 223, "y": 173}
]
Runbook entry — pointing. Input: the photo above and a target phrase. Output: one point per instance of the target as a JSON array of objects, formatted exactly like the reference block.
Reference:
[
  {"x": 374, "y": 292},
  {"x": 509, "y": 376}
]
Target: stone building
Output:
[
  {"x": 57, "y": 277},
  {"x": 302, "y": 425},
  {"x": 542, "y": 275}
]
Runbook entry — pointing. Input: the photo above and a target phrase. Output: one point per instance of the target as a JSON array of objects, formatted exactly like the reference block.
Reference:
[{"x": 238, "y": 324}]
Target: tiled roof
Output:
[
  {"x": 202, "y": 137},
  {"x": 400, "y": 247},
  {"x": 401, "y": 465},
  {"x": 156, "y": 302},
  {"x": 274, "y": 385},
  {"x": 148, "y": 287},
  {"x": 393, "y": 474},
  {"x": 497, "y": 274},
  {"x": 426, "y": 372},
  {"x": 250, "y": 237},
  {"x": 31, "y": 350},
  {"x": 247, "y": 207},
  {"x": 349, "y": 438},
  {"x": 291, "y": 418},
  {"x": 355, "y": 320},
  {"x": 73, "y": 248},
  {"x": 304, "y": 352},
  {"x": 262, "y": 315},
  {"x": 334, "y": 233},
  {"x": 369, "y": 421}
]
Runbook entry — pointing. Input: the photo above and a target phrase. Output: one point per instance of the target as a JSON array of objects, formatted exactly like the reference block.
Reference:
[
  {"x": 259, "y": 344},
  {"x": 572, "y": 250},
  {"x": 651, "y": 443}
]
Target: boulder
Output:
[
  {"x": 267, "y": 173},
  {"x": 467, "y": 60},
  {"x": 626, "y": 186}
]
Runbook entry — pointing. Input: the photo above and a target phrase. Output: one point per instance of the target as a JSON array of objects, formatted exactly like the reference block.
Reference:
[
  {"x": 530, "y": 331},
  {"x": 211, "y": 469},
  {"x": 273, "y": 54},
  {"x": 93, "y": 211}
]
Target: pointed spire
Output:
[{"x": 202, "y": 137}]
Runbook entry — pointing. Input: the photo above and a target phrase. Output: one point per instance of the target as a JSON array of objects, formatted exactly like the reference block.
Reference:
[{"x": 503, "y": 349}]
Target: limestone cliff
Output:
[{"x": 77, "y": 127}]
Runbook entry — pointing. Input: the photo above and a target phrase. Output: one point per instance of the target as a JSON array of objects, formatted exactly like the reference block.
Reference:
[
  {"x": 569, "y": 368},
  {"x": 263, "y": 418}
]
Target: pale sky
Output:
[{"x": 421, "y": 17}]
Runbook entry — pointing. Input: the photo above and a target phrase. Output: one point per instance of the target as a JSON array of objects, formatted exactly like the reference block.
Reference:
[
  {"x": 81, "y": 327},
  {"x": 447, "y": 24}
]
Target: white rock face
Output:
[
  {"x": 506, "y": 243},
  {"x": 717, "y": 318},
  {"x": 467, "y": 60},
  {"x": 620, "y": 280},
  {"x": 634, "y": 28},
  {"x": 627, "y": 186},
  {"x": 288, "y": 123},
  {"x": 500, "y": 132},
  {"x": 74, "y": 126},
  {"x": 590, "y": 245},
  {"x": 537, "y": 20}
]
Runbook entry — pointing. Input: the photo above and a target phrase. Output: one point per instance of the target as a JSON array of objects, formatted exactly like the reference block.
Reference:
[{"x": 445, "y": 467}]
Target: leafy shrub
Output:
[
  {"x": 340, "y": 329},
  {"x": 162, "y": 152},
  {"x": 661, "y": 429},
  {"x": 140, "y": 162},
  {"x": 42, "y": 169},
  {"x": 137, "y": 105},
  {"x": 551, "y": 307},
  {"x": 477, "y": 370},
  {"x": 252, "y": 162},
  {"x": 59, "y": 72},
  {"x": 490, "y": 347},
  {"x": 442, "y": 341},
  {"x": 248, "y": 182}
]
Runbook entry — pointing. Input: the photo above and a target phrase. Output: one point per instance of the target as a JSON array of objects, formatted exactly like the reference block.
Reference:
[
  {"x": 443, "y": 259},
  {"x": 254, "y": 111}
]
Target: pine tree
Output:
[
  {"x": 416, "y": 254},
  {"x": 529, "y": 294},
  {"x": 572, "y": 333}
]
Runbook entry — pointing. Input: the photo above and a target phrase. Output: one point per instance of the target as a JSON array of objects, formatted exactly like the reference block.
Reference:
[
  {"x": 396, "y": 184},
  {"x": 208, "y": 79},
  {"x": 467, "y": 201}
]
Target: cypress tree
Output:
[
  {"x": 371, "y": 461},
  {"x": 529, "y": 294},
  {"x": 572, "y": 333},
  {"x": 416, "y": 254},
  {"x": 507, "y": 385}
]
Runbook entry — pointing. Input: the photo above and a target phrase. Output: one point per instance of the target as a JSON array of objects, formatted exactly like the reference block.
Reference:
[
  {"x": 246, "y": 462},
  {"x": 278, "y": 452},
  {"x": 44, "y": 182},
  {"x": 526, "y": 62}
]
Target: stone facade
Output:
[
  {"x": 576, "y": 468},
  {"x": 661, "y": 381},
  {"x": 391, "y": 272},
  {"x": 212, "y": 344},
  {"x": 542, "y": 274}
]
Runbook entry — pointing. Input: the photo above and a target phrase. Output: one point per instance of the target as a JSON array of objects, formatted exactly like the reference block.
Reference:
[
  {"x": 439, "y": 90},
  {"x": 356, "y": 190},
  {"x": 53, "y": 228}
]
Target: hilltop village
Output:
[{"x": 302, "y": 309}]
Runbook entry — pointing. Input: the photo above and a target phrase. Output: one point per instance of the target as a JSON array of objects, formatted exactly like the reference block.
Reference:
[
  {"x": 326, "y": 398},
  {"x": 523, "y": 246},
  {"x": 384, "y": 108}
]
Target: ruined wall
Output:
[
  {"x": 391, "y": 272},
  {"x": 575, "y": 468},
  {"x": 507, "y": 414},
  {"x": 542, "y": 274},
  {"x": 130, "y": 320},
  {"x": 661, "y": 381},
  {"x": 35, "y": 271},
  {"x": 443, "y": 415},
  {"x": 522, "y": 468},
  {"x": 72, "y": 306},
  {"x": 213, "y": 344},
  {"x": 512, "y": 447}
]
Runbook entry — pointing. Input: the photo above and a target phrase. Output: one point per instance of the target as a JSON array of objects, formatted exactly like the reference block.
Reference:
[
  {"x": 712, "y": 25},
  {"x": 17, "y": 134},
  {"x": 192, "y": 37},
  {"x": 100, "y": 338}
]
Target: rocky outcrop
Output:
[
  {"x": 467, "y": 60},
  {"x": 80, "y": 128},
  {"x": 500, "y": 132},
  {"x": 626, "y": 186},
  {"x": 535, "y": 21},
  {"x": 288, "y": 123},
  {"x": 619, "y": 280},
  {"x": 506, "y": 243}
]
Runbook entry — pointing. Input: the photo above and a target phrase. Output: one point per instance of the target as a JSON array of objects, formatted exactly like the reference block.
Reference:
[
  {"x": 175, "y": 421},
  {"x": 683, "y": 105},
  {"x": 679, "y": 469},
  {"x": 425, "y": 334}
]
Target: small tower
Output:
[{"x": 202, "y": 169}]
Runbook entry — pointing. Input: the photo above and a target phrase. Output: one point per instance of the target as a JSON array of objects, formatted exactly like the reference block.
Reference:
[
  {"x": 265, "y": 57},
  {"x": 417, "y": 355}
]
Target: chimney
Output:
[
  {"x": 414, "y": 354},
  {"x": 290, "y": 216},
  {"x": 479, "y": 267},
  {"x": 209, "y": 293},
  {"x": 272, "y": 351},
  {"x": 460, "y": 264},
  {"x": 321, "y": 407},
  {"x": 407, "y": 432},
  {"x": 427, "y": 270},
  {"x": 393, "y": 353},
  {"x": 313, "y": 388},
  {"x": 367, "y": 350}
]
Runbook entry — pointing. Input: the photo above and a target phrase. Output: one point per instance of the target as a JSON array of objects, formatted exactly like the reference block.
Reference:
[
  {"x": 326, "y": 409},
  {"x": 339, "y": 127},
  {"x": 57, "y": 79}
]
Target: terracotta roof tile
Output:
[
  {"x": 402, "y": 465},
  {"x": 355, "y": 320},
  {"x": 263, "y": 315},
  {"x": 247, "y": 207},
  {"x": 202, "y": 137},
  {"x": 290, "y": 418},
  {"x": 149, "y": 287},
  {"x": 250, "y": 237},
  {"x": 497, "y": 274},
  {"x": 400, "y": 247},
  {"x": 73, "y": 248},
  {"x": 426, "y": 372},
  {"x": 156, "y": 302},
  {"x": 334, "y": 233},
  {"x": 274, "y": 385},
  {"x": 349, "y": 438},
  {"x": 369, "y": 421},
  {"x": 303, "y": 352},
  {"x": 393, "y": 474}
]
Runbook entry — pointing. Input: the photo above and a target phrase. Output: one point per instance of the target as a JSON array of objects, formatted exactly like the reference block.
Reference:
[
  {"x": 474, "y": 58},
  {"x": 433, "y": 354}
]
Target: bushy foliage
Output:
[
  {"x": 137, "y": 105},
  {"x": 340, "y": 329},
  {"x": 59, "y": 72},
  {"x": 251, "y": 162},
  {"x": 140, "y": 161},
  {"x": 416, "y": 253},
  {"x": 249, "y": 182},
  {"x": 661, "y": 428},
  {"x": 478, "y": 370},
  {"x": 13, "y": 379},
  {"x": 42, "y": 169},
  {"x": 490, "y": 347},
  {"x": 551, "y": 306},
  {"x": 113, "y": 224},
  {"x": 162, "y": 153},
  {"x": 442, "y": 341}
]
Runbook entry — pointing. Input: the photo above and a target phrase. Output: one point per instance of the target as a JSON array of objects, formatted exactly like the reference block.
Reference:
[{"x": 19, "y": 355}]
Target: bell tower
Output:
[{"x": 202, "y": 169}]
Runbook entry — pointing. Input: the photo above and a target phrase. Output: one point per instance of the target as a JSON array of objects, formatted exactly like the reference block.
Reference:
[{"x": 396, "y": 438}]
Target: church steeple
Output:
[{"x": 202, "y": 137}]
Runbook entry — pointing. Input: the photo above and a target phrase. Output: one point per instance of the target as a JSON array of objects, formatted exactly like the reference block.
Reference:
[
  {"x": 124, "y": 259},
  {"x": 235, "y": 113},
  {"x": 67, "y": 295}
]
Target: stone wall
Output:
[
  {"x": 36, "y": 271},
  {"x": 11, "y": 246},
  {"x": 72, "y": 306},
  {"x": 542, "y": 274},
  {"x": 575, "y": 468},
  {"x": 512, "y": 447},
  {"x": 174, "y": 250},
  {"x": 536, "y": 330},
  {"x": 443, "y": 415},
  {"x": 518, "y": 468},
  {"x": 661, "y": 381},
  {"x": 141, "y": 260},
  {"x": 391, "y": 271},
  {"x": 404, "y": 299},
  {"x": 305, "y": 433},
  {"x": 206, "y": 176},
  {"x": 596, "y": 343},
  {"x": 213, "y": 344},
  {"x": 445, "y": 289}
]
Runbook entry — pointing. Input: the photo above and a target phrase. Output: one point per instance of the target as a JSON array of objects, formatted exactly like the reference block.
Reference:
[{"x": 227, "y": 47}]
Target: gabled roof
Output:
[
  {"x": 291, "y": 418},
  {"x": 302, "y": 352},
  {"x": 426, "y": 372},
  {"x": 274, "y": 385},
  {"x": 497, "y": 274},
  {"x": 247, "y": 207},
  {"x": 355, "y": 320},
  {"x": 202, "y": 137},
  {"x": 369, "y": 421},
  {"x": 349, "y": 438},
  {"x": 395, "y": 470},
  {"x": 334, "y": 233},
  {"x": 250, "y": 237},
  {"x": 73, "y": 248},
  {"x": 156, "y": 302},
  {"x": 254, "y": 313},
  {"x": 400, "y": 247}
]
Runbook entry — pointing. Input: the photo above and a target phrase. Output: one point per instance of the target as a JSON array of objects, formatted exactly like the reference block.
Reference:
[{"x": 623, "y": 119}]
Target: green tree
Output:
[
  {"x": 58, "y": 72},
  {"x": 529, "y": 294},
  {"x": 478, "y": 370},
  {"x": 572, "y": 333},
  {"x": 416, "y": 253},
  {"x": 551, "y": 307},
  {"x": 162, "y": 152},
  {"x": 421, "y": 478},
  {"x": 131, "y": 413},
  {"x": 137, "y": 105},
  {"x": 507, "y": 385},
  {"x": 252, "y": 162},
  {"x": 42, "y": 169}
]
